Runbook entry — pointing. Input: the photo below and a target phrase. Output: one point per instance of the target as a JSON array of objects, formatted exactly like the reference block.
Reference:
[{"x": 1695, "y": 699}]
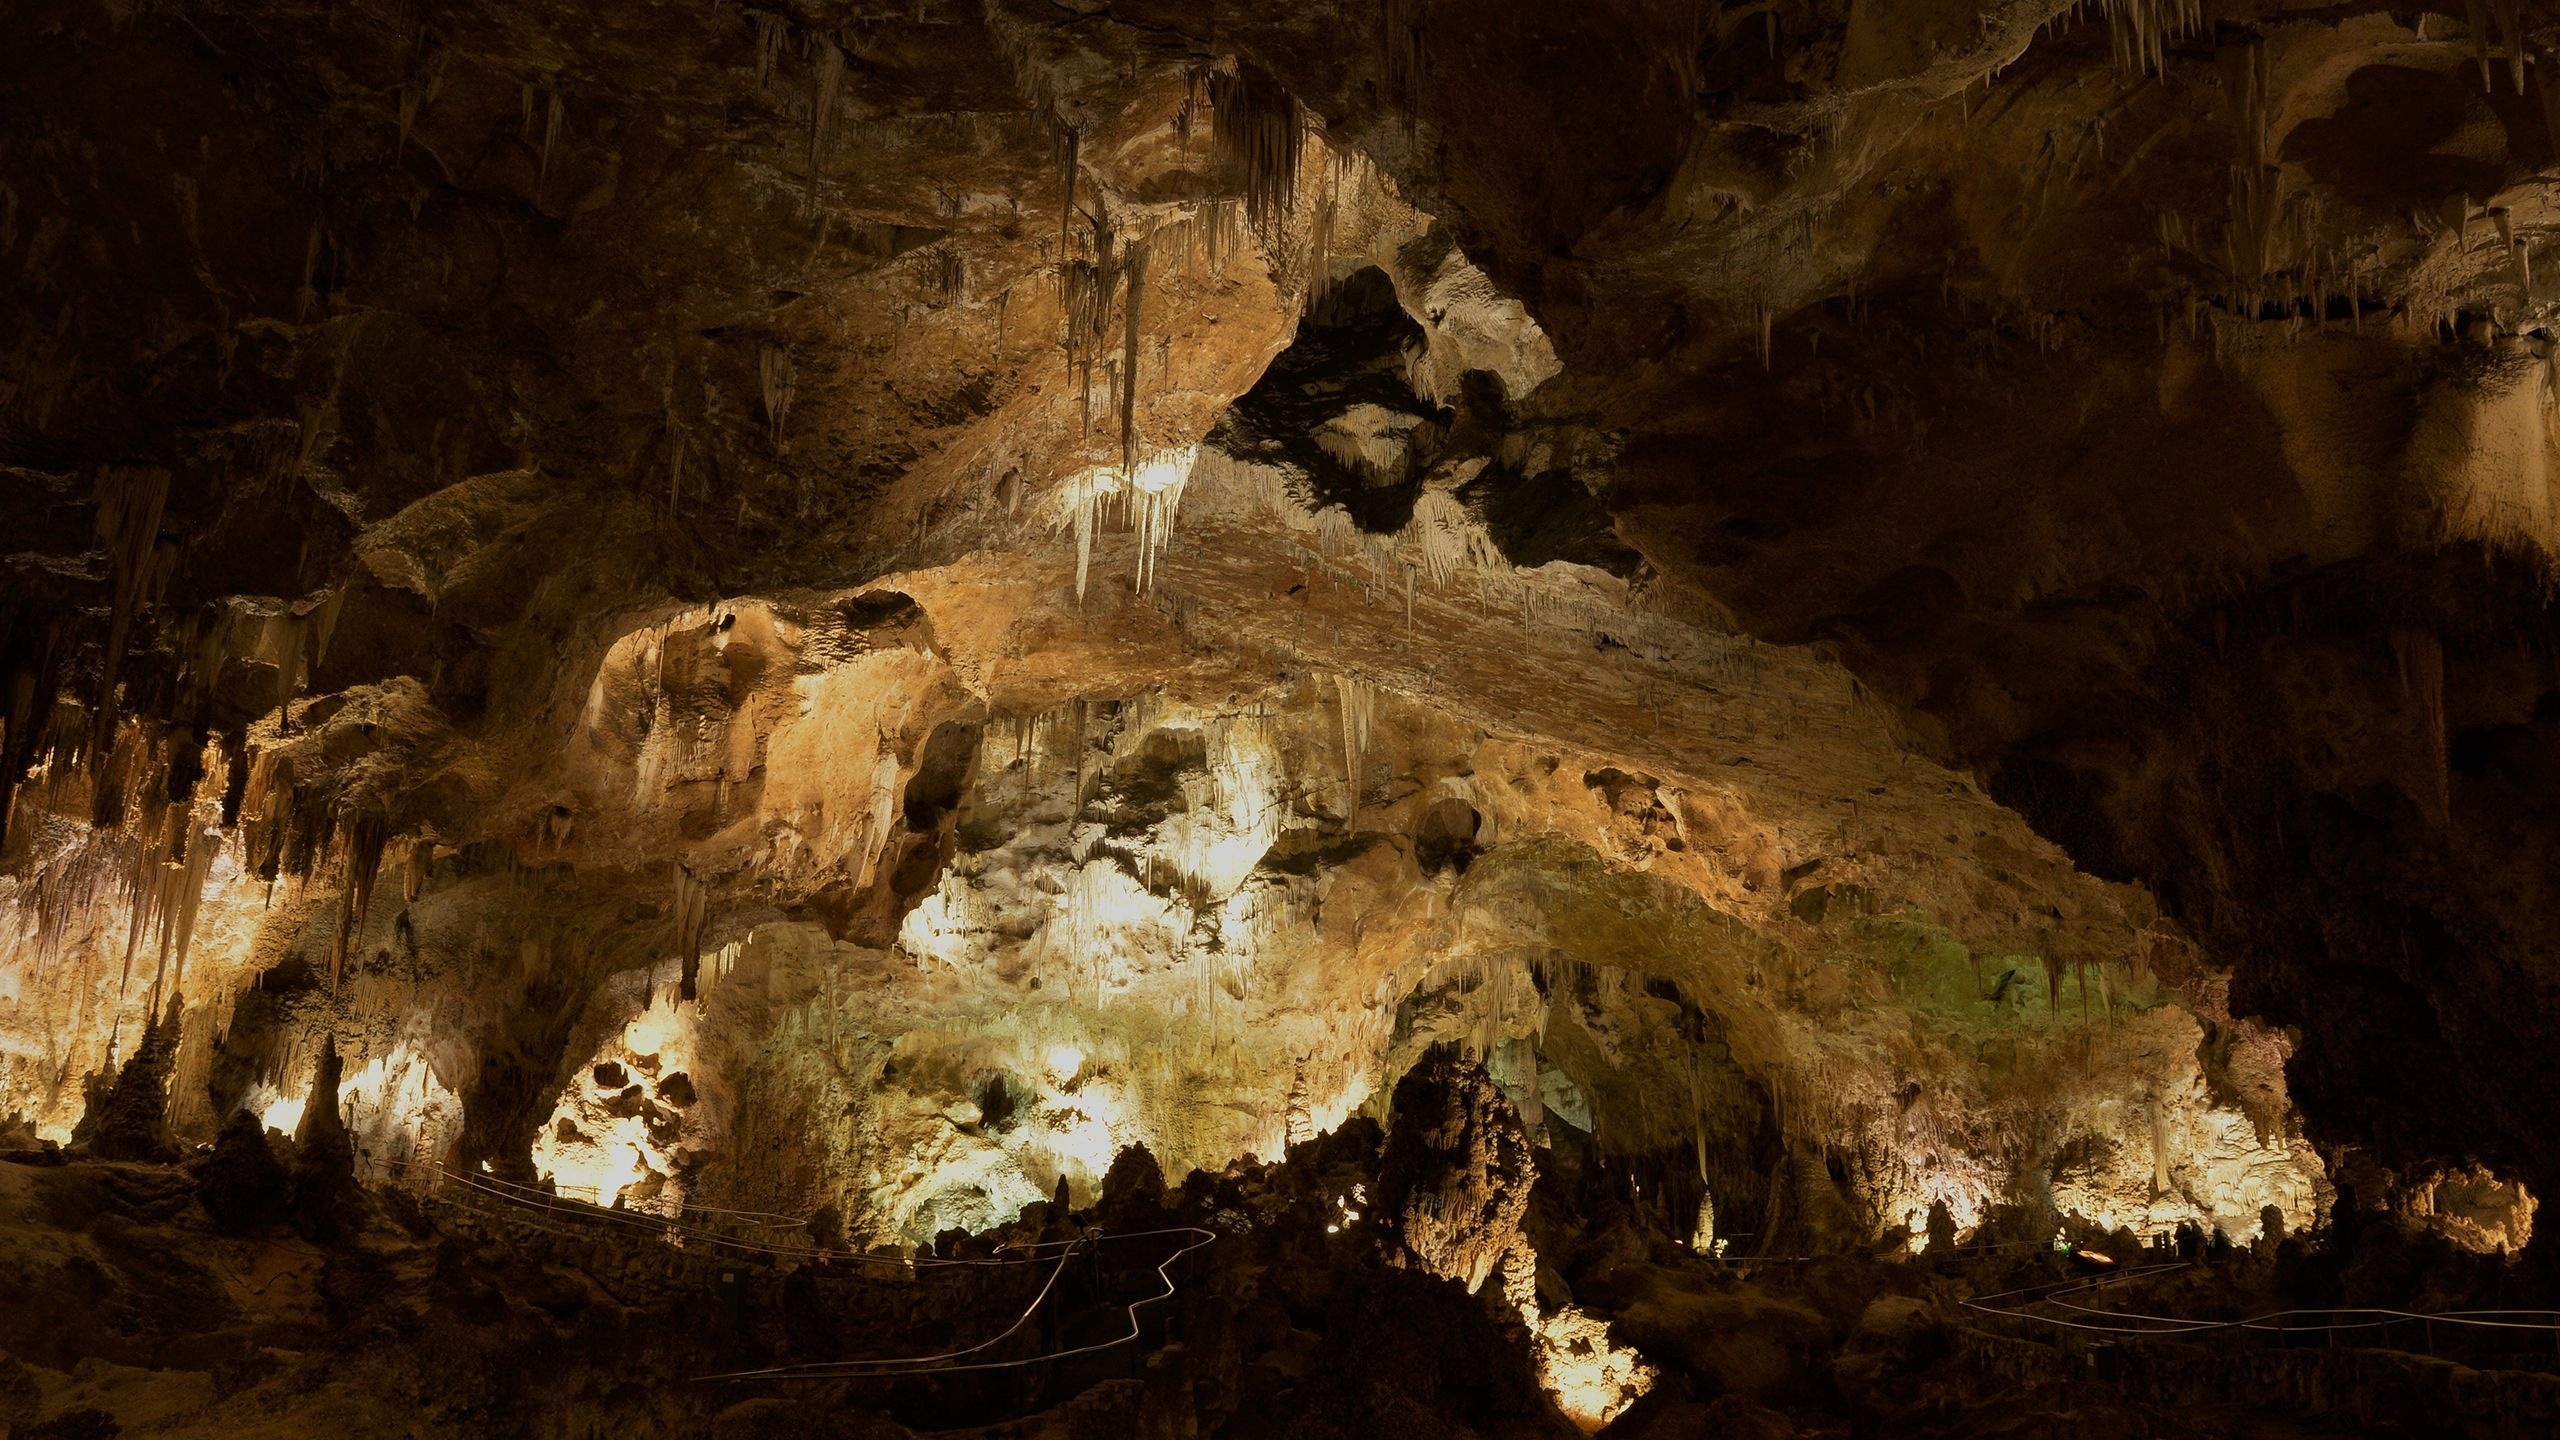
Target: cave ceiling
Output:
[{"x": 866, "y": 604}]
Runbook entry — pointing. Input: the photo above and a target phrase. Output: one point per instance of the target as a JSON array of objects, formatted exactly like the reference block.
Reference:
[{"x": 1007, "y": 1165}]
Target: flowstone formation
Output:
[{"x": 1671, "y": 635}]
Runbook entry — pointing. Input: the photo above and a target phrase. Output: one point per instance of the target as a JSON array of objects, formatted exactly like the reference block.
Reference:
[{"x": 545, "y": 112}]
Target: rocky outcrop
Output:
[
  {"x": 242, "y": 1185},
  {"x": 132, "y": 1120},
  {"x": 1454, "y": 1182}
]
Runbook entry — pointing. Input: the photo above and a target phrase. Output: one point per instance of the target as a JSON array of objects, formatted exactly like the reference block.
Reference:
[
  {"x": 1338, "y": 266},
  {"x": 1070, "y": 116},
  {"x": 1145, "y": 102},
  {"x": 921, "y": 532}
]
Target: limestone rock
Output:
[{"x": 1453, "y": 1184}]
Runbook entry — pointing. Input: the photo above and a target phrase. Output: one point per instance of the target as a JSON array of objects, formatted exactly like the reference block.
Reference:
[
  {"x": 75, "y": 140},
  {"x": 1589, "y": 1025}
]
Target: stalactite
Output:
[
  {"x": 2550, "y": 97},
  {"x": 417, "y": 91},
  {"x": 1319, "y": 260},
  {"x": 690, "y": 899},
  {"x": 1195, "y": 98},
  {"x": 554, "y": 116},
  {"x": 2159, "y": 1147},
  {"x": 1358, "y": 704},
  {"x": 771, "y": 31},
  {"x": 367, "y": 831},
  {"x": 307, "y": 296},
  {"x": 1400, "y": 27},
  {"x": 779, "y": 380},
  {"x": 827, "y": 90},
  {"x": 2475, "y": 18},
  {"x": 130, "y": 500},
  {"x": 182, "y": 898},
  {"x": 1220, "y": 219},
  {"x": 1068, "y": 143},
  {"x": 1082, "y": 500},
  {"x": 1135, "y": 261},
  {"x": 946, "y": 275},
  {"x": 262, "y": 812},
  {"x": 2520, "y": 254}
]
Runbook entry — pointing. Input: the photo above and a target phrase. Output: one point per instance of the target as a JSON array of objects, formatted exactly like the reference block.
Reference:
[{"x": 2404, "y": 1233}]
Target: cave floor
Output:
[{"x": 455, "y": 1314}]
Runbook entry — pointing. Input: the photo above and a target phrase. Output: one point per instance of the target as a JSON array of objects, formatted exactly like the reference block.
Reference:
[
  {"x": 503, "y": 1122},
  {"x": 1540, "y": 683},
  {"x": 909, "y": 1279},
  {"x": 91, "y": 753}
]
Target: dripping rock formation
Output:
[{"x": 1736, "y": 717}]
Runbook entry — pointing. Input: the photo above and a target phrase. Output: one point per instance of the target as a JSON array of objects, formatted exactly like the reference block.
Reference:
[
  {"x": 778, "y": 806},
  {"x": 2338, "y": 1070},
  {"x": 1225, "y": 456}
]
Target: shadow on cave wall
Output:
[{"x": 1338, "y": 411}]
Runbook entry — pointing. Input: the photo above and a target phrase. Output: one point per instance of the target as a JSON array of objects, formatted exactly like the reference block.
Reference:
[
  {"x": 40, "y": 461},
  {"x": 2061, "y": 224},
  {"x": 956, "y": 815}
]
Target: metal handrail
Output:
[{"x": 930, "y": 1365}]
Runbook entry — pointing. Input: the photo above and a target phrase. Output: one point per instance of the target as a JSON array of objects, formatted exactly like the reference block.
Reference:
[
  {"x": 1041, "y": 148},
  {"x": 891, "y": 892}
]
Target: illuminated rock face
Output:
[
  {"x": 1851, "y": 619},
  {"x": 2476, "y": 1210}
]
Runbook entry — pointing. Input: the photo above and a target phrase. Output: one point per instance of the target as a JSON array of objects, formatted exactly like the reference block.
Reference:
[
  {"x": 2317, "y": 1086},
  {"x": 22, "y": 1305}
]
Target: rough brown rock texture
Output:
[
  {"x": 1454, "y": 1182},
  {"x": 132, "y": 1120}
]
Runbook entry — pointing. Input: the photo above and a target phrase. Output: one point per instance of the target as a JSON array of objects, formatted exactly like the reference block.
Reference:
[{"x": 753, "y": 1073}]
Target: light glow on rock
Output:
[
  {"x": 626, "y": 1129},
  {"x": 1592, "y": 1378},
  {"x": 281, "y": 1113}
]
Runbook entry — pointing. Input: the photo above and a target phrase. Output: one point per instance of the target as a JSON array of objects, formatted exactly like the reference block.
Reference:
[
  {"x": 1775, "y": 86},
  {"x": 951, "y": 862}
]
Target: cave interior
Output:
[{"x": 1252, "y": 721}]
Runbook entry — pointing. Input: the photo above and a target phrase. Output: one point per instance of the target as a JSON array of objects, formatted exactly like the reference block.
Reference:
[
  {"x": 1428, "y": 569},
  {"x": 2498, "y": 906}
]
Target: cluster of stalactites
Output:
[
  {"x": 2258, "y": 242},
  {"x": 1088, "y": 285},
  {"x": 2139, "y": 31},
  {"x": 2498, "y": 24},
  {"x": 130, "y": 500},
  {"x": 1257, "y": 135},
  {"x": 1144, "y": 496},
  {"x": 165, "y": 807}
]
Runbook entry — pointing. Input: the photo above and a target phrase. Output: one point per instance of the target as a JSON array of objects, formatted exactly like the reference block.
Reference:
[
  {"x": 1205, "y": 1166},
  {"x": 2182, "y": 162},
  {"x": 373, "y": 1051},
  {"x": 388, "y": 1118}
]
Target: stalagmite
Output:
[
  {"x": 134, "y": 1121},
  {"x": 326, "y": 1199}
]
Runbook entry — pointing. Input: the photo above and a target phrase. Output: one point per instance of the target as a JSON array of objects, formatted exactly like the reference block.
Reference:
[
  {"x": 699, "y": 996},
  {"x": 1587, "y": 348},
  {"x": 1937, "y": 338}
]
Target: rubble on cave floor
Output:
[{"x": 1332, "y": 1297}]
